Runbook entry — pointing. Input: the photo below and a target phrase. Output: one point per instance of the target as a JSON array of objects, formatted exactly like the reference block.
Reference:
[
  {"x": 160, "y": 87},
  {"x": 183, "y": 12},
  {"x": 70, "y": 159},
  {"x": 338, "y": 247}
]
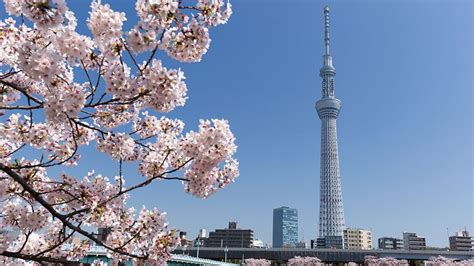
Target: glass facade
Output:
[{"x": 285, "y": 227}]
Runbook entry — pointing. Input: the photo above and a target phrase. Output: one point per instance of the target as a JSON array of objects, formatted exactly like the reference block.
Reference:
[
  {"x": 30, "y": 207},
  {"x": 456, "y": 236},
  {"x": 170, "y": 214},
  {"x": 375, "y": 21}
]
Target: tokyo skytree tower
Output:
[{"x": 331, "y": 213}]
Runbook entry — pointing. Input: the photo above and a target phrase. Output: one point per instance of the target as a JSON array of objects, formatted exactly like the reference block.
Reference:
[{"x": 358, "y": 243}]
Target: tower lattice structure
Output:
[{"x": 331, "y": 214}]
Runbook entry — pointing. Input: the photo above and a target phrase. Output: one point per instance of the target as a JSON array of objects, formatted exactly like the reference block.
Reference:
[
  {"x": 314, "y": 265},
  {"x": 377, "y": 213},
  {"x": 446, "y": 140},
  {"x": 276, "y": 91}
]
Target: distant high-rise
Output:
[
  {"x": 285, "y": 227},
  {"x": 331, "y": 212}
]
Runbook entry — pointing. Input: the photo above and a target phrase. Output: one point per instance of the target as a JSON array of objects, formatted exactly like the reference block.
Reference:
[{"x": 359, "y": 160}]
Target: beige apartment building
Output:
[{"x": 357, "y": 238}]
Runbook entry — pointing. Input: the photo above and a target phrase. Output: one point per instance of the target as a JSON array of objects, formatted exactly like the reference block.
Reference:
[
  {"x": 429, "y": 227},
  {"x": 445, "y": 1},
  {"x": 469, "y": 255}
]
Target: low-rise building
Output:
[
  {"x": 390, "y": 243},
  {"x": 461, "y": 241},
  {"x": 412, "y": 241},
  {"x": 301, "y": 244},
  {"x": 332, "y": 242},
  {"x": 357, "y": 238},
  {"x": 231, "y": 237}
]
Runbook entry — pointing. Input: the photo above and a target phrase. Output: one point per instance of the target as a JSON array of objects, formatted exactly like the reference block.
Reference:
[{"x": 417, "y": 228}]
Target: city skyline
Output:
[
  {"x": 405, "y": 128},
  {"x": 404, "y": 161},
  {"x": 401, "y": 140}
]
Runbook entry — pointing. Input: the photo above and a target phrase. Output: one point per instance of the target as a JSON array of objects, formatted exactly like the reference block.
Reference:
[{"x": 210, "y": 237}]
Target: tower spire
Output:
[
  {"x": 326, "y": 28},
  {"x": 328, "y": 71},
  {"x": 327, "y": 67}
]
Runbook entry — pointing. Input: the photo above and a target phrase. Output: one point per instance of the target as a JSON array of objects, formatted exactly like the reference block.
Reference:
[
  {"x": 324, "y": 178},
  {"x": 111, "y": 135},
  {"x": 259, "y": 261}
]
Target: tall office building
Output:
[
  {"x": 331, "y": 212},
  {"x": 285, "y": 227}
]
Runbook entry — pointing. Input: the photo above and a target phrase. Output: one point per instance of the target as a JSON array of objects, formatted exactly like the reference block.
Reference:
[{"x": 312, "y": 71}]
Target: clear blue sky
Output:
[{"x": 404, "y": 76}]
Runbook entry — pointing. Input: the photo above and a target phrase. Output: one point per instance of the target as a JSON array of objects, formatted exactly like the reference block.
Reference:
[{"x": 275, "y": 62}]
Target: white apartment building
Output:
[{"x": 357, "y": 238}]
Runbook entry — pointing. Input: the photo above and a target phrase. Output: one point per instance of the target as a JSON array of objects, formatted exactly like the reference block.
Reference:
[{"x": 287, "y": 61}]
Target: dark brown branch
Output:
[
  {"x": 27, "y": 235},
  {"x": 33, "y": 257},
  {"x": 53, "y": 247},
  {"x": 131, "y": 56},
  {"x": 132, "y": 238},
  {"x": 18, "y": 107}
]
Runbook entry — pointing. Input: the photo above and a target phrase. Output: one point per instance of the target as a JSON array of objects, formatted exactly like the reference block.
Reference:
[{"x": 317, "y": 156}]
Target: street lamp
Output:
[
  {"x": 225, "y": 253},
  {"x": 184, "y": 249},
  {"x": 198, "y": 244}
]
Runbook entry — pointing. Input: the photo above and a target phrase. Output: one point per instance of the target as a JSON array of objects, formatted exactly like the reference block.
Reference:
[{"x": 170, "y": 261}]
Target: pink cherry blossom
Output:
[
  {"x": 305, "y": 261},
  {"x": 45, "y": 13},
  {"x": 188, "y": 44}
]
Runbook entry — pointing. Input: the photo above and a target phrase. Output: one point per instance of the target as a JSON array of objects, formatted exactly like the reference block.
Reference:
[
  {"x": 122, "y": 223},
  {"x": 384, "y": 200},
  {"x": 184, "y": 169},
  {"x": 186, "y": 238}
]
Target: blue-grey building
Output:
[{"x": 285, "y": 227}]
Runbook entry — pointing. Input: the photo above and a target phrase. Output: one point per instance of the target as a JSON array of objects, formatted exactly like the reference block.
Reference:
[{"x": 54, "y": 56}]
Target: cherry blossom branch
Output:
[
  {"x": 33, "y": 257},
  {"x": 153, "y": 52},
  {"x": 22, "y": 90},
  {"x": 27, "y": 237},
  {"x": 59, "y": 216},
  {"x": 142, "y": 184},
  {"x": 49, "y": 59},
  {"x": 57, "y": 244},
  {"x": 117, "y": 100},
  {"x": 19, "y": 107},
  {"x": 131, "y": 56}
]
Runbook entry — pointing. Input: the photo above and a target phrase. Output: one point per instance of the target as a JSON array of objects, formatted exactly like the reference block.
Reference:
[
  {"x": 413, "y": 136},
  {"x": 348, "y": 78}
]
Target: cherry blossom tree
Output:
[
  {"x": 385, "y": 261},
  {"x": 257, "y": 262},
  {"x": 443, "y": 261},
  {"x": 305, "y": 261},
  {"x": 63, "y": 92},
  {"x": 439, "y": 261}
]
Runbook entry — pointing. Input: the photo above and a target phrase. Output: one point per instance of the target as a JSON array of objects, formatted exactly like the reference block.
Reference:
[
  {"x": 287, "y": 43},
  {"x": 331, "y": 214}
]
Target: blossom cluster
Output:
[
  {"x": 45, "y": 13},
  {"x": 385, "y": 261},
  {"x": 117, "y": 78},
  {"x": 75, "y": 47},
  {"x": 443, "y": 261},
  {"x": 304, "y": 261},
  {"x": 64, "y": 102},
  {"x": 257, "y": 262},
  {"x": 106, "y": 26},
  {"x": 165, "y": 88},
  {"x": 38, "y": 62},
  {"x": 119, "y": 146},
  {"x": 214, "y": 12},
  {"x": 208, "y": 148},
  {"x": 63, "y": 90},
  {"x": 114, "y": 115},
  {"x": 187, "y": 44}
]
